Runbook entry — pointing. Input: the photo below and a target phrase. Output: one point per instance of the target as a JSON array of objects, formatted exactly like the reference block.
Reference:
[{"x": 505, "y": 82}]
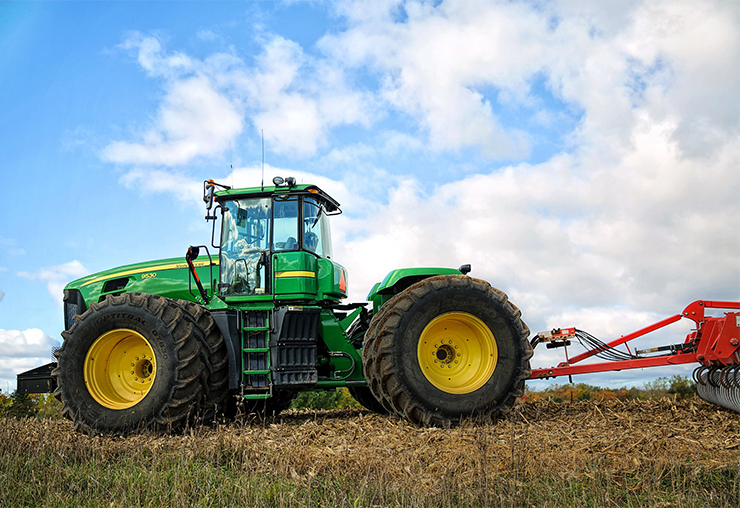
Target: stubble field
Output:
[{"x": 634, "y": 453}]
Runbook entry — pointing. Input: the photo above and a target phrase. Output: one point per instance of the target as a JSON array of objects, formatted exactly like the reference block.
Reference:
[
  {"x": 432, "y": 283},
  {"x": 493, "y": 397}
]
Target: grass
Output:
[{"x": 670, "y": 452}]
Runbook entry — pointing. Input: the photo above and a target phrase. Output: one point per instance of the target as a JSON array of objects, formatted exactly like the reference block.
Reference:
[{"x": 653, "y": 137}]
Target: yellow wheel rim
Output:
[
  {"x": 457, "y": 352},
  {"x": 120, "y": 368}
]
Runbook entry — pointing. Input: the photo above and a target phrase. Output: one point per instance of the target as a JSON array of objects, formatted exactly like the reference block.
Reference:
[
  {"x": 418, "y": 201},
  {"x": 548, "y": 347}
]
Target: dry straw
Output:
[{"x": 684, "y": 453}]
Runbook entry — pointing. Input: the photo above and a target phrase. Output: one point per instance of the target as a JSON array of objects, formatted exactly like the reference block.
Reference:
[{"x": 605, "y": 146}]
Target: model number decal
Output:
[{"x": 150, "y": 275}]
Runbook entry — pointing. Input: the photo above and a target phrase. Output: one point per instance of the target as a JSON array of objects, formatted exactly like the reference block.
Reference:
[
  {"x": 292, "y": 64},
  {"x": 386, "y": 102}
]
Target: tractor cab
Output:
[{"x": 275, "y": 242}]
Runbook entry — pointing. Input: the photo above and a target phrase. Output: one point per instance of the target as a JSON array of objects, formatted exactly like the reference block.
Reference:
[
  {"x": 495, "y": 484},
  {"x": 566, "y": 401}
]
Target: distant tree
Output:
[
  {"x": 22, "y": 406},
  {"x": 679, "y": 386},
  {"x": 337, "y": 399},
  {"x": 682, "y": 387}
]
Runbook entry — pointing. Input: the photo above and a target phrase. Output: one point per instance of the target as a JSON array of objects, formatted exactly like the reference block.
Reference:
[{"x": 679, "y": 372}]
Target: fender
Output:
[{"x": 400, "y": 279}]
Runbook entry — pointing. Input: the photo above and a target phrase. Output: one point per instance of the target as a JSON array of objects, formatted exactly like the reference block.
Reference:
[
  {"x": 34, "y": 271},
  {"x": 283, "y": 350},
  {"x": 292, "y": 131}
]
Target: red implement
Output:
[{"x": 715, "y": 342}]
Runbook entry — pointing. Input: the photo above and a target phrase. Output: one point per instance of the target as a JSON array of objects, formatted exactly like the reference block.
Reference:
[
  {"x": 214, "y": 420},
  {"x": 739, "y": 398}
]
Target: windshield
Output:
[{"x": 244, "y": 236}]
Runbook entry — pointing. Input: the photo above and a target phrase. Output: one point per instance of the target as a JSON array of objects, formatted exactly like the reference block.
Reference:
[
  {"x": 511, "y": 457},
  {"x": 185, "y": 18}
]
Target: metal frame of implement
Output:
[{"x": 714, "y": 343}]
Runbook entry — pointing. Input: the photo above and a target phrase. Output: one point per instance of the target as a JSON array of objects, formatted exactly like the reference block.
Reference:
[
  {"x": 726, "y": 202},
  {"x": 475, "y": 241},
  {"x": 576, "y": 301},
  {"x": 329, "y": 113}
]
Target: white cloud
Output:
[
  {"x": 294, "y": 99},
  {"x": 207, "y": 35},
  {"x": 26, "y": 344},
  {"x": 438, "y": 64},
  {"x": 10, "y": 246},
  {"x": 181, "y": 187},
  {"x": 444, "y": 64},
  {"x": 154, "y": 60},
  {"x": 56, "y": 277},
  {"x": 195, "y": 120}
]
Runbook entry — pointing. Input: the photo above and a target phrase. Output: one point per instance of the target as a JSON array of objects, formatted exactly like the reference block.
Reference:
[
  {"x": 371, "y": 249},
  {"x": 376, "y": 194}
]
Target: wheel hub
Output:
[
  {"x": 457, "y": 352},
  {"x": 120, "y": 369},
  {"x": 445, "y": 354}
]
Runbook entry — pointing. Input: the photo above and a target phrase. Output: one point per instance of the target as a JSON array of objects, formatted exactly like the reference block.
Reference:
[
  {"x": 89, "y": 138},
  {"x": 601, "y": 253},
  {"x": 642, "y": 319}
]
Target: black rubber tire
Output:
[
  {"x": 176, "y": 389},
  {"x": 365, "y": 397},
  {"x": 215, "y": 360},
  {"x": 391, "y": 363}
]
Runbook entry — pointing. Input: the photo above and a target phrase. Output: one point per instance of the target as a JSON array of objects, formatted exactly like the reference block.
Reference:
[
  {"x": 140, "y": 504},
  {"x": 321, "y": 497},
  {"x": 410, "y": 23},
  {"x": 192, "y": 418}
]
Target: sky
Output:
[{"x": 582, "y": 156}]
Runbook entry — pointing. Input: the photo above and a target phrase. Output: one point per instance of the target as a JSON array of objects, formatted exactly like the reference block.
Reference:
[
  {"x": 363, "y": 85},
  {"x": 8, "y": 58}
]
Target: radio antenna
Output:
[{"x": 263, "y": 158}]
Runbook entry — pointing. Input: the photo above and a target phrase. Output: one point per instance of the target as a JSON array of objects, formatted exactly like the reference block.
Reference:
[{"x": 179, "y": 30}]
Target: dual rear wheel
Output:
[
  {"x": 140, "y": 361},
  {"x": 131, "y": 362},
  {"x": 447, "y": 348}
]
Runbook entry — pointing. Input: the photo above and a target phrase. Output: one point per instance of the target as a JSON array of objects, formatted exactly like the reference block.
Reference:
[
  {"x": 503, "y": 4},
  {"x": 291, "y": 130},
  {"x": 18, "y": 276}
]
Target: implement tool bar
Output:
[{"x": 694, "y": 311}]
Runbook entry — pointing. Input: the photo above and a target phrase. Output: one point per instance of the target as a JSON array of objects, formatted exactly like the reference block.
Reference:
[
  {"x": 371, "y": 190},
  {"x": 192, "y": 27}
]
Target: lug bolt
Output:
[
  {"x": 733, "y": 342},
  {"x": 136, "y": 378},
  {"x": 132, "y": 372},
  {"x": 132, "y": 364}
]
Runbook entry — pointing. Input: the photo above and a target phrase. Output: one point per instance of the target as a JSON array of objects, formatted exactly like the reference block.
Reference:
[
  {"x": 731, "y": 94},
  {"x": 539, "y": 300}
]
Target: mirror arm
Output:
[{"x": 192, "y": 254}]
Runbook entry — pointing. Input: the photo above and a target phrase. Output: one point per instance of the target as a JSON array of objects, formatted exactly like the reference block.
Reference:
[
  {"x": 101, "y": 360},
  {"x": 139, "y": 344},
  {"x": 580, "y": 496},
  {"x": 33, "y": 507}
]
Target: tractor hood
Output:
[{"x": 164, "y": 277}]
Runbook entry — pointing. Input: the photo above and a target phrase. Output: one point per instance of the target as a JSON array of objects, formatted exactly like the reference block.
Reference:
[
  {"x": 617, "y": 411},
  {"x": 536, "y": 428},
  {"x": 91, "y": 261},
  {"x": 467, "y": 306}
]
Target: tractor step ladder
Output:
[{"x": 255, "y": 332}]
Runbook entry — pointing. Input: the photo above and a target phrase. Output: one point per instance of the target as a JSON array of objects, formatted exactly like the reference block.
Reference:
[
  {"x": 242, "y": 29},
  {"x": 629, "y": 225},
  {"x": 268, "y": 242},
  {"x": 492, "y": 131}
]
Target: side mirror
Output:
[{"x": 208, "y": 188}]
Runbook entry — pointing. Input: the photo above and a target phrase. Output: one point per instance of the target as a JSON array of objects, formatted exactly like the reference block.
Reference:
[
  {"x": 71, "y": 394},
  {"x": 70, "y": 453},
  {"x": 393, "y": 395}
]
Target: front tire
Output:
[
  {"x": 447, "y": 348},
  {"x": 215, "y": 360},
  {"x": 131, "y": 362}
]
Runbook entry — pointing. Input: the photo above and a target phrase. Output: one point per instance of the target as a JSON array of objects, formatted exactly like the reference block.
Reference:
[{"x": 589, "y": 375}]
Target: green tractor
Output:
[{"x": 162, "y": 344}]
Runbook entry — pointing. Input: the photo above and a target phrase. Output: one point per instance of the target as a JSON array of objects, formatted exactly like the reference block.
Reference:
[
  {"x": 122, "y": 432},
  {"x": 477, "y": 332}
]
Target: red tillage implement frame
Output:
[{"x": 714, "y": 344}]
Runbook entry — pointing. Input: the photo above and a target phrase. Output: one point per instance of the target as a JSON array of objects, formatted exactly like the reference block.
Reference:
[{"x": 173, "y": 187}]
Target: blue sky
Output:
[{"x": 583, "y": 156}]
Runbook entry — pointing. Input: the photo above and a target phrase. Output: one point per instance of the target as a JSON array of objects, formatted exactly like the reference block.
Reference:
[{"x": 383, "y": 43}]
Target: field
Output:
[{"x": 666, "y": 452}]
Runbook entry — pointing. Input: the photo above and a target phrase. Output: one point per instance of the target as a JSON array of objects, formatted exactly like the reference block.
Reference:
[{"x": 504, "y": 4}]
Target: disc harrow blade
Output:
[{"x": 719, "y": 385}]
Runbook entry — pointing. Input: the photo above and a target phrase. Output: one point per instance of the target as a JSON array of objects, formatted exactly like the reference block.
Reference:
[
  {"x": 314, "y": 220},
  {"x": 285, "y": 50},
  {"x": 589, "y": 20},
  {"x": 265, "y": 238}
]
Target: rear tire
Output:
[
  {"x": 447, "y": 348},
  {"x": 131, "y": 362}
]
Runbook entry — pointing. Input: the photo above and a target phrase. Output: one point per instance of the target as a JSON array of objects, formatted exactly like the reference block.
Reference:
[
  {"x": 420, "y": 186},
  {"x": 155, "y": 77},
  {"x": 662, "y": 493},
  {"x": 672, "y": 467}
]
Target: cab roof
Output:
[{"x": 331, "y": 204}]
